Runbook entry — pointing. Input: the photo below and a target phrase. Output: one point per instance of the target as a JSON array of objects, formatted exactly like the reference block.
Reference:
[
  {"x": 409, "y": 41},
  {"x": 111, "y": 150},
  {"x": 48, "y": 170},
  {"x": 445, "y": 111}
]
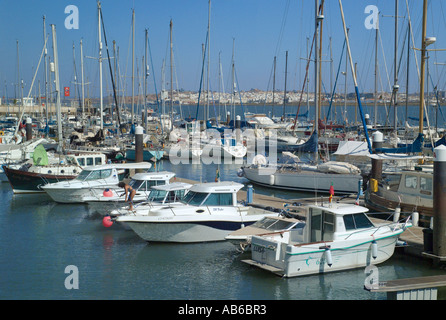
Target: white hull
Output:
[
  {"x": 188, "y": 229},
  {"x": 303, "y": 180},
  {"x": 73, "y": 195},
  {"x": 312, "y": 258}
]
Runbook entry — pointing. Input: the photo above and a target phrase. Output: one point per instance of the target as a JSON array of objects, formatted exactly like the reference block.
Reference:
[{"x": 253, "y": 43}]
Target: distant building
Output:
[{"x": 27, "y": 102}]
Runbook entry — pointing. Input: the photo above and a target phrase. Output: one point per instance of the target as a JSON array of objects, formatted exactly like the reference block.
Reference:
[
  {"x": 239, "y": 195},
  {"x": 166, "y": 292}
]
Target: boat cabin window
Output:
[
  {"x": 219, "y": 199},
  {"x": 81, "y": 162},
  {"x": 322, "y": 225},
  {"x": 89, "y": 161},
  {"x": 157, "y": 195},
  {"x": 151, "y": 183},
  {"x": 86, "y": 175},
  {"x": 426, "y": 184},
  {"x": 411, "y": 182},
  {"x": 195, "y": 198},
  {"x": 357, "y": 221},
  {"x": 97, "y": 161}
]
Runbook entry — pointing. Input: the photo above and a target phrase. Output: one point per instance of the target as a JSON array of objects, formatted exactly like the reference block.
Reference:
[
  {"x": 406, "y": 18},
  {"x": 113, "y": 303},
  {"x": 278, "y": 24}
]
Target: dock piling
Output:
[{"x": 29, "y": 129}]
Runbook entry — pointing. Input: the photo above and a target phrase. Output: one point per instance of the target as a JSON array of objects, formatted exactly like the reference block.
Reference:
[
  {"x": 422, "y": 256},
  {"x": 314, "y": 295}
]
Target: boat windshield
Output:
[
  {"x": 357, "y": 221},
  {"x": 194, "y": 198},
  {"x": 135, "y": 184},
  {"x": 87, "y": 175},
  {"x": 273, "y": 224},
  {"x": 157, "y": 195}
]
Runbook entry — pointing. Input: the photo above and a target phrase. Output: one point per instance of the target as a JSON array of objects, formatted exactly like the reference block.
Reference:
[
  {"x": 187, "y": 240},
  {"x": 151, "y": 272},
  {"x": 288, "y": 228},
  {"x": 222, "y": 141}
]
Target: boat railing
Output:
[{"x": 392, "y": 226}]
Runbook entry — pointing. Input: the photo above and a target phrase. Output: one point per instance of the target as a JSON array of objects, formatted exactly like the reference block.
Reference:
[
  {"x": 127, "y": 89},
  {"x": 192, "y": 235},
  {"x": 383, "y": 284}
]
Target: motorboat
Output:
[
  {"x": 209, "y": 212},
  {"x": 267, "y": 226},
  {"x": 91, "y": 177},
  {"x": 162, "y": 195},
  {"x": 105, "y": 200},
  {"x": 337, "y": 236}
]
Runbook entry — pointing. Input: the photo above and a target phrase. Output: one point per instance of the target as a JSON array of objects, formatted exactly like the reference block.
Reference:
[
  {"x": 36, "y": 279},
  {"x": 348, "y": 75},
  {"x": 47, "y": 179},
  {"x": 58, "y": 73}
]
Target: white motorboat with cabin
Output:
[
  {"x": 209, "y": 212},
  {"x": 105, "y": 200},
  {"x": 91, "y": 177},
  {"x": 336, "y": 237}
]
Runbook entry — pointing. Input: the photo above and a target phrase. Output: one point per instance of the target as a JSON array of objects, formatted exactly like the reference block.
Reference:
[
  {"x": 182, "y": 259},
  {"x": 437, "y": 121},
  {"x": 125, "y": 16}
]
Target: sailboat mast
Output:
[
  {"x": 422, "y": 68},
  {"x": 46, "y": 74},
  {"x": 369, "y": 145},
  {"x": 57, "y": 84},
  {"x": 209, "y": 62},
  {"x": 376, "y": 74},
  {"x": 171, "y": 78},
  {"x": 100, "y": 67},
  {"x": 82, "y": 82},
  {"x": 133, "y": 65},
  {"x": 284, "y": 91},
  {"x": 274, "y": 86},
  {"x": 146, "y": 74},
  {"x": 395, "y": 72},
  {"x": 316, "y": 67}
]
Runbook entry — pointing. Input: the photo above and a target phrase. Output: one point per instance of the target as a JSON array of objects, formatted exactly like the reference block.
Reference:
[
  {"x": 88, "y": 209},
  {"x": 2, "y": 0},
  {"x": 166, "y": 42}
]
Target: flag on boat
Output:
[{"x": 330, "y": 198}]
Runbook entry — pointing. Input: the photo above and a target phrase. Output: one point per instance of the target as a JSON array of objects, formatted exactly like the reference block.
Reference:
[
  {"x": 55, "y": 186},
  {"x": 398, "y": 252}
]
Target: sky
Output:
[{"x": 249, "y": 32}]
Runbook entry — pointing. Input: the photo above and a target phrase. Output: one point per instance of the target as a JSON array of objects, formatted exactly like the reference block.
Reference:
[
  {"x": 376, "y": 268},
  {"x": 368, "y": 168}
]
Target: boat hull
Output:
[
  {"x": 30, "y": 182},
  {"x": 294, "y": 261},
  {"x": 307, "y": 181},
  {"x": 187, "y": 229},
  {"x": 72, "y": 195}
]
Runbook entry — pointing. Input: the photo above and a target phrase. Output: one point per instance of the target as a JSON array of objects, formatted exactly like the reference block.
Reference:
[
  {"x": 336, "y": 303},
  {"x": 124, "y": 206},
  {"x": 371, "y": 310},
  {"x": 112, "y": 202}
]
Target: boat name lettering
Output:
[{"x": 165, "y": 218}]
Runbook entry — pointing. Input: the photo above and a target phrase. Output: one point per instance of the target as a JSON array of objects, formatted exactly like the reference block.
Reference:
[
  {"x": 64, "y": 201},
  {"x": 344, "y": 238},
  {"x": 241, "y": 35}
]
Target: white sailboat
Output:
[{"x": 319, "y": 177}]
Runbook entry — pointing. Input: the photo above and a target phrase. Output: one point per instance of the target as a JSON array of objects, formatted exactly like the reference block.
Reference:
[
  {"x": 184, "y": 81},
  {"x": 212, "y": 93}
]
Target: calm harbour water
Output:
[{"x": 39, "y": 239}]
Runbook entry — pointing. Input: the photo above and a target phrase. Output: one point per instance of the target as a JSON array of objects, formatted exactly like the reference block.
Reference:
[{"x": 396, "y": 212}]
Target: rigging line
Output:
[
  {"x": 111, "y": 72},
  {"x": 305, "y": 81},
  {"x": 436, "y": 96},
  {"x": 336, "y": 81},
  {"x": 306, "y": 71},
  {"x": 240, "y": 96},
  {"x": 153, "y": 73},
  {"x": 282, "y": 27},
  {"x": 202, "y": 74},
  {"x": 384, "y": 58}
]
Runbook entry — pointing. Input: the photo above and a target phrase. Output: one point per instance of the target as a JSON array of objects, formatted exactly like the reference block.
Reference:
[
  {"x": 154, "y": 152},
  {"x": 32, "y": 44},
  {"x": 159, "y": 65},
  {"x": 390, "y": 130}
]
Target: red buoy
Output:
[
  {"x": 107, "y": 222},
  {"x": 107, "y": 193}
]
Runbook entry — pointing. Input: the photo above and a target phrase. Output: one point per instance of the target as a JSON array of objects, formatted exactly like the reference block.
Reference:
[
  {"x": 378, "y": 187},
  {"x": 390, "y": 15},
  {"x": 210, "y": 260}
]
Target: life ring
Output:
[{"x": 2, "y": 133}]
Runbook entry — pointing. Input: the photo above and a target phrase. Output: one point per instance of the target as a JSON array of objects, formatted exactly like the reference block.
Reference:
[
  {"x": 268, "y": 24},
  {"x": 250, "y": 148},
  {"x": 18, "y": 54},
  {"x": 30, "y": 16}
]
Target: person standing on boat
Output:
[{"x": 129, "y": 193}]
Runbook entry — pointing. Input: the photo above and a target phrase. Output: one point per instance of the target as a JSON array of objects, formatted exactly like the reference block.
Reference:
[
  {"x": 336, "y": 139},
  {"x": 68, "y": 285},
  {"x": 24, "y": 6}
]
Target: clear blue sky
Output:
[{"x": 261, "y": 29}]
